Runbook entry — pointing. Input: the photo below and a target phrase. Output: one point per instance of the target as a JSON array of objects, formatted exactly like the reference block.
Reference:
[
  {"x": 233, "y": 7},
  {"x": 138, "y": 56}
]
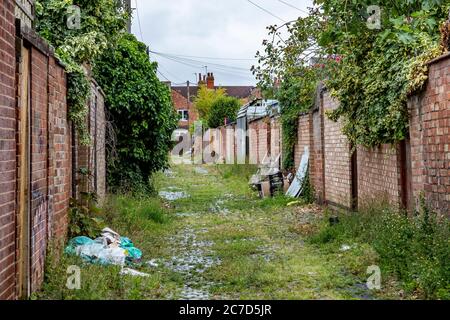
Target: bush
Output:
[
  {"x": 223, "y": 108},
  {"x": 414, "y": 249},
  {"x": 141, "y": 111}
]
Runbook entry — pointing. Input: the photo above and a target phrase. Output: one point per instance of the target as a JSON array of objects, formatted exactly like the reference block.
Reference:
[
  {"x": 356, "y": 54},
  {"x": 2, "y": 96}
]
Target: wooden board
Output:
[{"x": 23, "y": 264}]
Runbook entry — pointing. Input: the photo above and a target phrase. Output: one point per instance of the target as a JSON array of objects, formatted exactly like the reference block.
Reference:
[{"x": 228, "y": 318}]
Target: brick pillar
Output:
[{"x": 7, "y": 151}]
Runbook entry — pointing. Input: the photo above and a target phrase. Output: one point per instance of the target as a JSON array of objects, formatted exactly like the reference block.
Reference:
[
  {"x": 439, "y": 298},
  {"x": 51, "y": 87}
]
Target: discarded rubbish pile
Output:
[
  {"x": 269, "y": 180},
  {"x": 108, "y": 249}
]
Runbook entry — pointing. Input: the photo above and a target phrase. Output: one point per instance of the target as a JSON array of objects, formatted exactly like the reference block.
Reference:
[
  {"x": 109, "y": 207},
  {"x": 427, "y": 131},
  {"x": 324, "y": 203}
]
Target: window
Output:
[{"x": 184, "y": 114}]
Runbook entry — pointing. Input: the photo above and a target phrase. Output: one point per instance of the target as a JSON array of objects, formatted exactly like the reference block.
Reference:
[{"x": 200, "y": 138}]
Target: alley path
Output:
[
  {"x": 228, "y": 243},
  {"x": 207, "y": 235}
]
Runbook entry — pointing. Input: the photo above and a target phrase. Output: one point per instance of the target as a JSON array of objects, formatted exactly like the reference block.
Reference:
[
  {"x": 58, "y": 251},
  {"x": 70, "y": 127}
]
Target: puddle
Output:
[
  {"x": 360, "y": 291},
  {"x": 192, "y": 258},
  {"x": 219, "y": 207},
  {"x": 200, "y": 170},
  {"x": 187, "y": 214},
  {"x": 173, "y": 195},
  {"x": 169, "y": 174}
]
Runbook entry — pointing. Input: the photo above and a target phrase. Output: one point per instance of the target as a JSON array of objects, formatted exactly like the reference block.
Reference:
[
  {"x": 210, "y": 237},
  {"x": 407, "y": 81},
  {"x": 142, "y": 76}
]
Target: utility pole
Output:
[
  {"x": 127, "y": 5},
  {"x": 188, "y": 93}
]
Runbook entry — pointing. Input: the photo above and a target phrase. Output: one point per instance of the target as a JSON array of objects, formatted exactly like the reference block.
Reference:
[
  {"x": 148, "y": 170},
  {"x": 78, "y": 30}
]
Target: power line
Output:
[
  {"x": 162, "y": 74},
  {"x": 266, "y": 11},
  {"x": 139, "y": 21},
  {"x": 292, "y": 6},
  {"x": 200, "y": 64},
  {"x": 208, "y": 58},
  {"x": 168, "y": 72},
  {"x": 234, "y": 73}
]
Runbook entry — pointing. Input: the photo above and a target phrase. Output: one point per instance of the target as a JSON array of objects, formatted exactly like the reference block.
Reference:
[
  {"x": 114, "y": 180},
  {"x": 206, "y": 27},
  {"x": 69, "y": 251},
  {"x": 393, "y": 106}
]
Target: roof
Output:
[
  {"x": 259, "y": 108},
  {"x": 239, "y": 92}
]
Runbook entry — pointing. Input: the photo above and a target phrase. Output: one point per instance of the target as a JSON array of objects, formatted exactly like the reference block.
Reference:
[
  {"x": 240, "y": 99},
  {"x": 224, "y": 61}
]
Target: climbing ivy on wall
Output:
[
  {"x": 371, "y": 71},
  {"x": 141, "y": 110},
  {"x": 79, "y": 38}
]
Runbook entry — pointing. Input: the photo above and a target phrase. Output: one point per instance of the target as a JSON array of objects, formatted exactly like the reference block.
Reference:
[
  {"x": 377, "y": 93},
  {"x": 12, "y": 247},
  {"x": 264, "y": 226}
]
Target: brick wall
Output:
[
  {"x": 379, "y": 175},
  {"x": 275, "y": 139},
  {"x": 261, "y": 139},
  {"x": 7, "y": 150},
  {"x": 39, "y": 168},
  {"x": 92, "y": 157},
  {"x": 60, "y": 170},
  {"x": 338, "y": 180},
  {"x": 430, "y": 137},
  {"x": 253, "y": 142},
  {"x": 316, "y": 166},
  {"x": 304, "y": 138},
  {"x": 181, "y": 103}
]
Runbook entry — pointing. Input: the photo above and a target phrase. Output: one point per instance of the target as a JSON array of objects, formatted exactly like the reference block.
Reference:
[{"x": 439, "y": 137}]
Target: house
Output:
[
  {"x": 241, "y": 92},
  {"x": 186, "y": 111}
]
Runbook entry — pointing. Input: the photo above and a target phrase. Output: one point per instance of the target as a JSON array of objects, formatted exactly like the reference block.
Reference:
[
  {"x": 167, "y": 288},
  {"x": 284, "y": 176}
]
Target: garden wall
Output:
[
  {"x": 36, "y": 163},
  {"x": 430, "y": 138},
  {"x": 8, "y": 177},
  {"x": 399, "y": 173}
]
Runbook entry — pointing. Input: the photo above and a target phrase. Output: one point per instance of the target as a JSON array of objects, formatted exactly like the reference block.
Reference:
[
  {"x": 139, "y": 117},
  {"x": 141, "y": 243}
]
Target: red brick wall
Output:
[
  {"x": 379, "y": 175},
  {"x": 7, "y": 150},
  {"x": 304, "y": 138},
  {"x": 39, "y": 168},
  {"x": 253, "y": 142},
  {"x": 60, "y": 170},
  {"x": 430, "y": 138},
  {"x": 316, "y": 168},
  {"x": 50, "y": 168},
  {"x": 275, "y": 139},
  {"x": 181, "y": 103},
  {"x": 338, "y": 180},
  {"x": 260, "y": 140},
  {"x": 93, "y": 156},
  {"x": 263, "y": 140}
]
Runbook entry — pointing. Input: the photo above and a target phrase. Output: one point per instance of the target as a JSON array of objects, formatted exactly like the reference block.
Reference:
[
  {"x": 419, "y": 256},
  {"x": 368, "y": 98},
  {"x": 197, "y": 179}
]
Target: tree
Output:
[
  {"x": 223, "y": 108},
  {"x": 370, "y": 70},
  {"x": 141, "y": 110},
  {"x": 206, "y": 98}
]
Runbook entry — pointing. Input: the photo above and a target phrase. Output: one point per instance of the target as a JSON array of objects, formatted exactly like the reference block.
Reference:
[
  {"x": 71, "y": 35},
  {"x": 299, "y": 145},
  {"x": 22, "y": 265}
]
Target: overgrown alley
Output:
[{"x": 214, "y": 238}]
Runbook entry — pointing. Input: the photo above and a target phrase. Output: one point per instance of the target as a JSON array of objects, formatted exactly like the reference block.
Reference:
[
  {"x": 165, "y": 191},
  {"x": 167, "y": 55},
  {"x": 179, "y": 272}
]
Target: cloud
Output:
[{"x": 214, "y": 28}]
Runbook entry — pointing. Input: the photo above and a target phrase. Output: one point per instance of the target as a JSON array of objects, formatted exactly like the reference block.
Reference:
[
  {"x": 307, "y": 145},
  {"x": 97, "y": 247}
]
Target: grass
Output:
[
  {"x": 413, "y": 250},
  {"x": 262, "y": 248}
]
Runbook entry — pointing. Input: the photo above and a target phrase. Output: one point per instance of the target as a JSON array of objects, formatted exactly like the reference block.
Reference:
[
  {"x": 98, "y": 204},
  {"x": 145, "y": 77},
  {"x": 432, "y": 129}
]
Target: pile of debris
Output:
[
  {"x": 108, "y": 249},
  {"x": 269, "y": 180}
]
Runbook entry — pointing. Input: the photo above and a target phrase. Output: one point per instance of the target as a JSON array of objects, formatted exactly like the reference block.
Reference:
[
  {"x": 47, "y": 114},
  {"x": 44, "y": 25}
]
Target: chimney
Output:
[
  {"x": 210, "y": 81},
  {"x": 200, "y": 80}
]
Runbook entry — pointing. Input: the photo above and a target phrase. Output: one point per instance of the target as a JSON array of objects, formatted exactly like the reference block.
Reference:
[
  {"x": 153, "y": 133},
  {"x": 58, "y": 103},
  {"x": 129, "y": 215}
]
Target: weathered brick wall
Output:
[
  {"x": 25, "y": 11},
  {"x": 92, "y": 157},
  {"x": 253, "y": 142},
  {"x": 260, "y": 140},
  {"x": 430, "y": 138},
  {"x": 39, "y": 168},
  {"x": 379, "y": 175},
  {"x": 338, "y": 180},
  {"x": 263, "y": 139},
  {"x": 304, "y": 138},
  {"x": 275, "y": 139},
  {"x": 60, "y": 170},
  {"x": 7, "y": 150},
  {"x": 316, "y": 168},
  {"x": 49, "y": 153}
]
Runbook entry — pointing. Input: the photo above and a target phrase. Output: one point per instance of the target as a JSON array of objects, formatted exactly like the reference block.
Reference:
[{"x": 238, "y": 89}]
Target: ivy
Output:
[
  {"x": 371, "y": 72},
  {"x": 141, "y": 111},
  {"x": 101, "y": 23}
]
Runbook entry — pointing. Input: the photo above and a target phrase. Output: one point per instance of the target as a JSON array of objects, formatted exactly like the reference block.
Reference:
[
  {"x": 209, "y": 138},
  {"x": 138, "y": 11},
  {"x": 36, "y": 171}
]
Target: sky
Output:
[{"x": 220, "y": 29}]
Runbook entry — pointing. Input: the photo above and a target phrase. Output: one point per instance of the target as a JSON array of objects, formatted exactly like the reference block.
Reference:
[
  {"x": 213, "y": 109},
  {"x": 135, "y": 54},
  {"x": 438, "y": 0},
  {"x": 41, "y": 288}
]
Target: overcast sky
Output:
[{"x": 231, "y": 29}]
